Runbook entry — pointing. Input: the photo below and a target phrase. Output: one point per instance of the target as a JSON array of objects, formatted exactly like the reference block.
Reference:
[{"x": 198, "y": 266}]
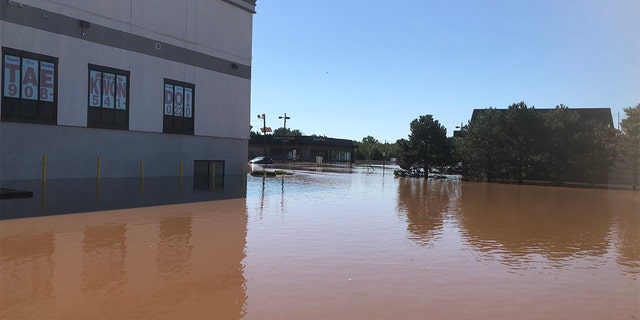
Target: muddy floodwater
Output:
[{"x": 334, "y": 245}]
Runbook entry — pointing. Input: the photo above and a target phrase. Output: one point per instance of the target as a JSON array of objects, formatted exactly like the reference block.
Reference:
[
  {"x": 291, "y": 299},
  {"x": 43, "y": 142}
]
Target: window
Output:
[
  {"x": 29, "y": 87},
  {"x": 108, "y": 98},
  {"x": 178, "y": 107}
]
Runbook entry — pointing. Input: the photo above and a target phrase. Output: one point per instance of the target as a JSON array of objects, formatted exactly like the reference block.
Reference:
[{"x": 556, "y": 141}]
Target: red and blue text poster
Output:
[
  {"x": 188, "y": 102},
  {"x": 11, "y": 76},
  {"x": 95, "y": 88},
  {"x": 168, "y": 99},
  {"x": 121, "y": 92},
  {"x": 29, "y": 79},
  {"x": 47, "y": 79},
  {"x": 108, "y": 90}
]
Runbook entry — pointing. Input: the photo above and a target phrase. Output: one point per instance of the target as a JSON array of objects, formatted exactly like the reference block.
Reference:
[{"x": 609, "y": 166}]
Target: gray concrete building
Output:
[{"x": 162, "y": 85}]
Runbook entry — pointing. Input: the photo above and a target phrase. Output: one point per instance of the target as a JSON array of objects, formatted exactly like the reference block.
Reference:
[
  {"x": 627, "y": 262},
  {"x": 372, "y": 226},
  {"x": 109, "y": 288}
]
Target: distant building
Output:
[
  {"x": 166, "y": 82},
  {"x": 303, "y": 148}
]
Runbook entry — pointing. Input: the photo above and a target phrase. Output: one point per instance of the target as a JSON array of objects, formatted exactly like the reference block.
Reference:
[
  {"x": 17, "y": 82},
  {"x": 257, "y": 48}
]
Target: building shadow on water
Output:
[
  {"x": 167, "y": 262},
  {"x": 26, "y": 271},
  {"x": 63, "y": 196}
]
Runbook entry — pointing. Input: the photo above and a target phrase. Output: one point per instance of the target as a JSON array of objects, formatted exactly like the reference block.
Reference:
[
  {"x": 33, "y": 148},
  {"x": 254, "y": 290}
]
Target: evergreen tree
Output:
[
  {"x": 523, "y": 134},
  {"x": 629, "y": 143},
  {"x": 561, "y": 152},
  {"x": 427, "y": 145},
  {"x": 482, "y": 148}
]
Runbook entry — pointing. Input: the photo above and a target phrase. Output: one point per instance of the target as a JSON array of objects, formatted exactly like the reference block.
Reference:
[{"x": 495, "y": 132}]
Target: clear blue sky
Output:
[{"x": 353, "y": 68}]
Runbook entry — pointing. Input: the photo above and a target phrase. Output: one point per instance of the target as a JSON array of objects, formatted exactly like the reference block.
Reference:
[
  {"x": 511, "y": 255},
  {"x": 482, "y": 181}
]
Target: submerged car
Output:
[{"x": 261, "y": 160}]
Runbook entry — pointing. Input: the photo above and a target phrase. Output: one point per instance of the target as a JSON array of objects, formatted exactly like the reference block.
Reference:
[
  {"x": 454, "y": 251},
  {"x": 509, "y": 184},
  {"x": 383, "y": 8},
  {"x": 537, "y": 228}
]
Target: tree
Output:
[
  {"x": 629, "y": 143},
  {"x": 407, "y": 156},
  {"x": 523, "y": 131},
  {"x": 287, "y": 132},
  {"x": 598, "y": 154},
  {"x": 482, "y": 148},
  {"x": 427, "y": 145},
  {"x": 563, "y": 138},
  {"x": 370, "y": 149},
  {"x": 577, "y": 149}
]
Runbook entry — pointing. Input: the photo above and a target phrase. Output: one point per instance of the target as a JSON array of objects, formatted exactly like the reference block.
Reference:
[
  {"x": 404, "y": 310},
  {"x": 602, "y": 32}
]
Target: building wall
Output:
[
  {"x": 206, "y": 43},
  {"x": 72, "y": 152}
]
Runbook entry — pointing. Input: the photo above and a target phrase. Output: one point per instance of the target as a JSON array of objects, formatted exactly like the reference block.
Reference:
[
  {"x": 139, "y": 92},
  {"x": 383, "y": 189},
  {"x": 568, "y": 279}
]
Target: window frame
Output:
[
  {"x": 106, "y": 117},
  {"x": 178, "y": 124},
  {"x": 21, "y": 109}
]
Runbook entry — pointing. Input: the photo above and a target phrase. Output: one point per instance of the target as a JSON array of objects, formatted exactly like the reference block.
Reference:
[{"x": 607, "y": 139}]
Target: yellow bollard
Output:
[
  {"x": 142, "y": 169},
  {"x": 43, "y": 196},
  {"x": 98, "y": 191},
  {"x": 44, "y": 167},
  {"x": 98, "y": 168},
  {"x": 44, "y": 180},
  {"x": 180, "y": 169}
]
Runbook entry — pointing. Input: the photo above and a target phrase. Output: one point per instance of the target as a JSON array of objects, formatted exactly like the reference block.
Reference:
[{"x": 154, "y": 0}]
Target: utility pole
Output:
[
  {"x": 285, "y": 120},
  {"x": 264, "y": 131},
  {"x": 285, "y": 130}
]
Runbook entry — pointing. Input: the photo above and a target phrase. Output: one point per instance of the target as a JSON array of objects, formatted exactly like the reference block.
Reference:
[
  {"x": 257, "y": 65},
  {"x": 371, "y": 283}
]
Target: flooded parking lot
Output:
[{"x": 320, "y": 244}]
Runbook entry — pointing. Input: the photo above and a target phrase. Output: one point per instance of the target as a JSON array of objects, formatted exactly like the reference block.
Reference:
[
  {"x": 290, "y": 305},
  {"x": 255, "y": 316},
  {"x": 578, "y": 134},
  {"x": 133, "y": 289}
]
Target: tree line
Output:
[
  {"x": 523, "y": 143},
  {"x": 516, "y": 144}
]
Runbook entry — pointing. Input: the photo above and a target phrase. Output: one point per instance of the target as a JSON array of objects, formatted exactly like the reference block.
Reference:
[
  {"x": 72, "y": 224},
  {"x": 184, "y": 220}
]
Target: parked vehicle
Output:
[{"x": 261, "y": 160}]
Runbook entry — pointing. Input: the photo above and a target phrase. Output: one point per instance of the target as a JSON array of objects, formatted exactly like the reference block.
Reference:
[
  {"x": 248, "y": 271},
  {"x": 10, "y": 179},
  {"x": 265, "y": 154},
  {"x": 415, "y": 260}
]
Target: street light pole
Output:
[
  {"x": 285, "y": 130},
  {"x": 285, "y": 120},
  {"x": 264, "y": 131}
]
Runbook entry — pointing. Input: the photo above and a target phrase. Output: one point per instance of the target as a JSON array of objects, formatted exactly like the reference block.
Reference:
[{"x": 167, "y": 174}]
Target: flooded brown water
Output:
[{"x": 326, "y": 245}]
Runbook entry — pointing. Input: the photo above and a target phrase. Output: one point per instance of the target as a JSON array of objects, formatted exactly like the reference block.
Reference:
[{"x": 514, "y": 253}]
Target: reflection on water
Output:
[
  {"x": 104, "y": 256},
  {"x": 174, "y": 249},
  {"x": 426, "y": 204},
  {"x": 335, "y": 245},
  {"x": 84, "y": 195},
  {"x": 171, "y": 262},
  {"x": 26, "y": 270},
  {"x": 518, "y": 221}
]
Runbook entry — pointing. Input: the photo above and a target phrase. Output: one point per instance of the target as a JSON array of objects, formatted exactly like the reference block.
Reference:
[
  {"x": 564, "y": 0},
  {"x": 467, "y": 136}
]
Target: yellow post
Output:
[
  {"x": 213, "y": 173},
  {"x": 180, "y": 169},
  {"x": 141, "y": 169},
  {"x": 98, "y": 168},
  {"x": 43, "y": 196},
  {"x": 44, "y": 180},
  {"x": 97, "y": 190},
  {"x": 44, "y": 167}
]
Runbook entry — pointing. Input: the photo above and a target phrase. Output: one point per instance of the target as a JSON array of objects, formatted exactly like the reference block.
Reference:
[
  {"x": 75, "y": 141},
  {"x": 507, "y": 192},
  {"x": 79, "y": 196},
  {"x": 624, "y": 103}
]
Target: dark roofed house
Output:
[
  {"x": 598, "y": 115},
  {"x": 588, "y": 166}
]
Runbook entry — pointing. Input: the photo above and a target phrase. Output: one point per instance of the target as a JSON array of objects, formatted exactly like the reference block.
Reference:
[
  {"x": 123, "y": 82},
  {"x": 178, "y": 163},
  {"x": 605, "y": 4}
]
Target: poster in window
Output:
[
  {"x": 188, "y": 102},
  {"x": 168, "y": 99},
  {"x": 95, "y": 88},
  {"x": 121, "y": 93},
  {"x": 108, "y": 90},
  {"x": 11, "y": 76},
  {"x": 29, "y": 79},
  {"x": 47, "y": 78},
  {"x": 178, "y": 101}
]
